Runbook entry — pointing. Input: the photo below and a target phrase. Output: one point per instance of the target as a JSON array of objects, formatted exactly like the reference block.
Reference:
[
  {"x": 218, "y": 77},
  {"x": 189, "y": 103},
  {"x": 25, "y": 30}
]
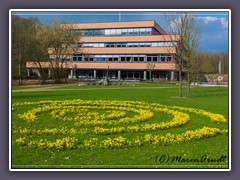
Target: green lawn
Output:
[{"x": 212, "y": 99}]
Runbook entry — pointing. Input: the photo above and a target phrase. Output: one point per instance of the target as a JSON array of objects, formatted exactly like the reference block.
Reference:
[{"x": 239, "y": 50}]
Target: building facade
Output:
[{"x": 121, "y": 51}]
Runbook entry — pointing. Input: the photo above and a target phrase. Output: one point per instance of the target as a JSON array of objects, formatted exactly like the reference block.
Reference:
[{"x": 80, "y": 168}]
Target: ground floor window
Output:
[{"x": 120, "y": 74}]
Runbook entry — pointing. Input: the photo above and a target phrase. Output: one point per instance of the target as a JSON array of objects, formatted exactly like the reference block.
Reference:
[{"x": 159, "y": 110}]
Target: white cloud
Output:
[
  {"x": 224, "y": 22},
  {"x": 209, "y": 19}
]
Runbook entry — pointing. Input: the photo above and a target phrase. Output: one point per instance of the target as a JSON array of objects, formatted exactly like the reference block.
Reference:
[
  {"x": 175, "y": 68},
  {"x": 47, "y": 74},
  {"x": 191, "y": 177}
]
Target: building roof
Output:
[{"x": 122, "y": 24}]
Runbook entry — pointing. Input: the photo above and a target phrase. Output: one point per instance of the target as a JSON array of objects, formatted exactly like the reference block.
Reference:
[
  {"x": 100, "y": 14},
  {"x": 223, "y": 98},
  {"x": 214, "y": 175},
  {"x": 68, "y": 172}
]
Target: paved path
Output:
[{"x": 53, "y": 88}]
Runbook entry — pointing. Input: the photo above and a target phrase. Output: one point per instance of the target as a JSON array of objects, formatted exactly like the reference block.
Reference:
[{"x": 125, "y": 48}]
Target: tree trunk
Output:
[
  {"x": 189, "y": 91},
  {"x": 180, "y": 82}
]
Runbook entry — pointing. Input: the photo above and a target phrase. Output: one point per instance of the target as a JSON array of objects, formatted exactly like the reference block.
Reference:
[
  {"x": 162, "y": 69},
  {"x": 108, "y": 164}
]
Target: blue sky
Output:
[{"x": 214, "y": 24}]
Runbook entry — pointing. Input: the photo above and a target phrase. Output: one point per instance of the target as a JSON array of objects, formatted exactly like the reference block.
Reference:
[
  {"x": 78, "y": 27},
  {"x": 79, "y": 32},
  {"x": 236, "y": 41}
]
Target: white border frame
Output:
[{"x": 121, "y": 10}]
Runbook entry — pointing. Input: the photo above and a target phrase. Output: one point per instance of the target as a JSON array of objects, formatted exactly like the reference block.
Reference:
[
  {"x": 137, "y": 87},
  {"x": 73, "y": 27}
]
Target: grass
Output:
[{"x": 213, "y": 99}]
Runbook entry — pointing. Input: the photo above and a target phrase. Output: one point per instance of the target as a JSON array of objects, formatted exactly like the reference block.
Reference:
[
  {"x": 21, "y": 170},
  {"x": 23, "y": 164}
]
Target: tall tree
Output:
[
  {"x": 37, "y": 48},
  {"x": 21, "y": 30},
  {"x": 60, "y": 41},
  {"x": 183, "y": 28}
]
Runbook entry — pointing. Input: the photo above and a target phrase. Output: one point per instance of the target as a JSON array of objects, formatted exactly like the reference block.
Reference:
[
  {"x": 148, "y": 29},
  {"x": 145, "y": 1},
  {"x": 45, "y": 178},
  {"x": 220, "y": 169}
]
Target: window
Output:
[
  {"x": 135, "y": 59},
  {"x": 141, "y": 59},
  {"x": 148, "y": 44},
  {"x": 96, "y": 32},
  {"x": 79, "y": 58},
  {"x": 113, "y": 32},
  {"x": 95, "y": 45},
  {"x": 149, "y": 59},
  {"x": 124, "y": 32},
  {"x": 169, "y": 58},
  {"x": 128, "y": 59},
  {"x": 162, "y": 58},
  {"x": 118, "y": 32},
  {"x": 90, "y": 32},
  {"x": 154, "y": 44},
  {"x": 154, "y": 58},
  {"x": 136, "y": 31},
  {"x": 74, "y": 58},
  {"x": 119, "y": 45},
  {"x": 122, "y": 59},
  {"x": 135, "y": 44},
  {"x": 130, "y": 32},
  {"x": 130, "y": 44},
  {"x": 100, "y": 59},
  {"x": 101, "y": 44},
  {"x": 107, "y": 32}
]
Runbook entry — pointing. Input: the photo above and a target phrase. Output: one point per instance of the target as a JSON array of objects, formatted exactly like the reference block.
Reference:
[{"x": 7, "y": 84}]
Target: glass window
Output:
[
  {"x": 130, "y": 44},
  {"x": 101, "y": 44},
  {"x": 112, "y": 45},
  {"x": 89, "y": 45},
  {"x": 115, "y": 59},
  {"x": 107, "y": 32},
  {"x": 162, "y": 58},
  {"x": 149, "y": 59},
  {"x": 130, "y": 32},
  {"x": 100, "y": 59},
  {"x": 154, "y": 58},
  {"x": 118, "y": 32},
  {"x": 101, "y": 32},
  {"x": 74, "y": 58},
  {"x": 161, "y": 44},
  {"x": 154, "y": 44},
  {"x": 148, "y": 44},
  {"x": 124, "y": 32},
  {"x": 169, "y": 58},
  {"x": 135, "y": 44},
  {"x": 135, "y": 59},
  {"x": 79, "y": 58},
  {"x": 141, "y": 59},
  {"x": 136, "y": 31},
  {"x": 113, "y": 32},
  {"x": 122, "y": 58},
  {"x": 136, "y": 75},
  {"x": 110, "y": 59},
  {"x": 96, "y": 32},
  {"x": 128, "y": 58},
  {"x": 85, "y": 33},
  {"x": 90, "y": 32},
  {"x": 95, "y": 45}
]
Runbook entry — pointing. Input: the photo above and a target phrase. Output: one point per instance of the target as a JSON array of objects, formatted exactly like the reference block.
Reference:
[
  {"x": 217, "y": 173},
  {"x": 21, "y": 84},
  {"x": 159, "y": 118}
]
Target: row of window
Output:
[
  {"x": 124, "y": 58},
  {"x": 117, "y": 32},
  {"x": 134, "y": 44}
]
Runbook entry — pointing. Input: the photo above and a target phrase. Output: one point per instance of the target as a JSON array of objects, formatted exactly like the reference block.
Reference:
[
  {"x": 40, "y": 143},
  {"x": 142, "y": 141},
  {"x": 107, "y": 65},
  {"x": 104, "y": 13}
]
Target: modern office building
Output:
[{"x": 123, "y": 50}]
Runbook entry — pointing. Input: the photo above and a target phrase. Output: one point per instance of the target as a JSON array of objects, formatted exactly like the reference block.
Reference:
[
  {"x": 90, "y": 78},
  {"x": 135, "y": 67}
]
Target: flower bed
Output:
[{"x": 107, "y": 124}]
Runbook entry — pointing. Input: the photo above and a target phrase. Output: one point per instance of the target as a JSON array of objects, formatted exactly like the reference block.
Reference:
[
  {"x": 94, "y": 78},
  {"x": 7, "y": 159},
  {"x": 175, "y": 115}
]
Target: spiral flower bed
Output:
[{"x": 73, "y": 124}]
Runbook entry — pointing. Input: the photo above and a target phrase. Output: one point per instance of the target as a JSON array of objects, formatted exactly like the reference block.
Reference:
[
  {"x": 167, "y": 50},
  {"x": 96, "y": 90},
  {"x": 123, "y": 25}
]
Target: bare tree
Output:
[
  {"x": 150, "y": 67},
  {"x": 184, "y": 34},
  {"x": 61, "y": 42}
]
